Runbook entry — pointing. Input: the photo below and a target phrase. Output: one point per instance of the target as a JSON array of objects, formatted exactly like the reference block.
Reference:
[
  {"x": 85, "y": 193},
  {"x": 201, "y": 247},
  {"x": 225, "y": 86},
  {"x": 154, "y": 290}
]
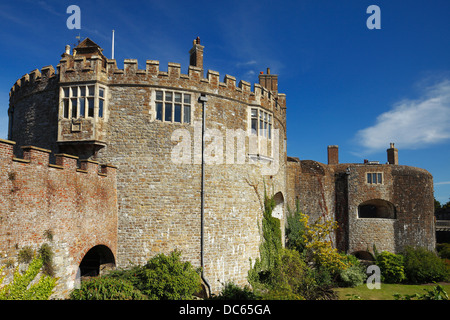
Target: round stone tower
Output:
[{"x": 194, "y": 154}]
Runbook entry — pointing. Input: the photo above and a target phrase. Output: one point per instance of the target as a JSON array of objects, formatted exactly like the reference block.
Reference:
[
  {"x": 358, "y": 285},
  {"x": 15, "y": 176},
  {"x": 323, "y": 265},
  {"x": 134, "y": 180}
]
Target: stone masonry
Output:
[{"x": 99, "y": 112}]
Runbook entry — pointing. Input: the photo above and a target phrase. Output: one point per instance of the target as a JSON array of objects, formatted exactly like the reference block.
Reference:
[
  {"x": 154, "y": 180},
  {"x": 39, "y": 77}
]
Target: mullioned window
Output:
[{"x": 173, "y": 106}]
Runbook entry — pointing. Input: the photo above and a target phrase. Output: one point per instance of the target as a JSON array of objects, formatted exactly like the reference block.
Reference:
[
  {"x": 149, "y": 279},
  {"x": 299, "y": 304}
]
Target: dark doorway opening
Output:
[
  {"x": 97, "y": 259},
  {"x": 377, "y": 208}
]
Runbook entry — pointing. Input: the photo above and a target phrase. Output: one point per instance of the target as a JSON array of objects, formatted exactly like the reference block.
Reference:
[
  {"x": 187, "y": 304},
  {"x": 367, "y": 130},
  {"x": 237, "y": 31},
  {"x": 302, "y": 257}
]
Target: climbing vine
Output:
[{"x": 271, "y": 246}]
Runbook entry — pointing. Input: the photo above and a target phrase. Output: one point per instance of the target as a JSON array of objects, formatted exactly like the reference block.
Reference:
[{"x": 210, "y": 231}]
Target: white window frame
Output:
[
  {"x": 264, "y": 122},
  {"x": 168, "y": 97},
  {"x": 75, "y": 94},
  {"x": 373, "y": 178}
]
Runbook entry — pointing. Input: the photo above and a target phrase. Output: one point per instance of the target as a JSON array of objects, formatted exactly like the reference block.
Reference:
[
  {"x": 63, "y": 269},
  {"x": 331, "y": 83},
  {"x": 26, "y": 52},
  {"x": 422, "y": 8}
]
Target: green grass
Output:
[{"x": 386, "y": 292}]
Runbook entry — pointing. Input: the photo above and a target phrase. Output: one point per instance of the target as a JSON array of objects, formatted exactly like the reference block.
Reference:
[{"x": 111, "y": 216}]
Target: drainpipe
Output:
[{"x": 203, "y": 99}]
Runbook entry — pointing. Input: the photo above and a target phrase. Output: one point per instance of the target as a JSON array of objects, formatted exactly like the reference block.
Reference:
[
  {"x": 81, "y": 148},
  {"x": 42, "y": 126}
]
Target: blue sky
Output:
[{"x": 345, "y": 84}]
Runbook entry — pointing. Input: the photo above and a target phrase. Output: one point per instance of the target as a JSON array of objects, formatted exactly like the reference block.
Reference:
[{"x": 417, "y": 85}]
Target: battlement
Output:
[
  {"x": 78, "y": 69},
  {"x": 32, "y": 81},
  {"x": 88, "y": 64},
  {"x": 40, "y": 157}
]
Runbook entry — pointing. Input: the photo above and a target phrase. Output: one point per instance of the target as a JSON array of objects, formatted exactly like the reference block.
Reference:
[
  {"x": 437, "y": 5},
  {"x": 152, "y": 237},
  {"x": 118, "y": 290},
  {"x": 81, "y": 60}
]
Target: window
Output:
[
  {"x": 374, "y": 178},
  {"x": 377, "y": 208},
  {"x": 173, "y": 106},
  {"x": 261, "y": 123},
  {"x": 75, "y": 99},
  {"x": 101, "y": 101}
]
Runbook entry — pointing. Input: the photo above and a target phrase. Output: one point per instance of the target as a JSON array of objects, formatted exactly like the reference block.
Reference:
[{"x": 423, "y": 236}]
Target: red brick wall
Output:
[{"x": 77, "y": 206}]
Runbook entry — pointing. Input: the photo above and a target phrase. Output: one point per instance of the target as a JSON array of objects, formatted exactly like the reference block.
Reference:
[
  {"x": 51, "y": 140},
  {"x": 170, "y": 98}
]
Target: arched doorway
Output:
[
  {"x": 96, "y": 260},
  {"x": 278, "y": 210},
  {"x": 363, "y": 255},
  {"x": 377, "y": 208}
]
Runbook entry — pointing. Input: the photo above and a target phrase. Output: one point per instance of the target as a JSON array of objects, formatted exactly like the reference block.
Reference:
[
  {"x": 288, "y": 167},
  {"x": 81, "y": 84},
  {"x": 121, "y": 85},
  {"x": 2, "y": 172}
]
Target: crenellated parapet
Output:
[
  {"x": 32, "y": 82},
  {"x": 87, "y": 64},
  {"x": 34, "y": 156},
  {"x": 228, "y": 87}
]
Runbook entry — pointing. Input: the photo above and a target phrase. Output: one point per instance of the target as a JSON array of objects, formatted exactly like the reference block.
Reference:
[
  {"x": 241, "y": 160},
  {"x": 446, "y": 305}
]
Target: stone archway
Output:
[
  {"x": 99, "y": 258},
  {"x": 377, "y": 208},
  {"x": 278, "y": 210}
]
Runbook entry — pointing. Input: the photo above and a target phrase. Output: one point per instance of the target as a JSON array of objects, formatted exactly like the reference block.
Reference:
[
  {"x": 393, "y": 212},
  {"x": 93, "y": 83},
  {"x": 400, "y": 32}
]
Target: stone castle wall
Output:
[
  {"x": 404, "y": 201},
  {"x": 159, "y": 188}
]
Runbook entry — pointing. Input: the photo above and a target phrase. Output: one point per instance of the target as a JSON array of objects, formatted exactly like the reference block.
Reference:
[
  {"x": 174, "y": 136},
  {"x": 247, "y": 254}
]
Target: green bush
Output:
[
  {"x": 295, "y": 230},
  {"x": 443, "y": 250},
  {"x": 106, "y": 288},
  {"x": 353, "y": 276},
  {"x": 232, "y": 291},
  {"x": 423, "y": 266},
  {"x": 168, "y": 278},
  {"x": 25, "y": 287},
  {"x": 391, "y": 267}
]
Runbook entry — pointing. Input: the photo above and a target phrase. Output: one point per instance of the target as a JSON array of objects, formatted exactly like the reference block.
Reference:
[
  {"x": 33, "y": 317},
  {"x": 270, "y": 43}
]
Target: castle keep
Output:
[{"x": 148, "y": 161}]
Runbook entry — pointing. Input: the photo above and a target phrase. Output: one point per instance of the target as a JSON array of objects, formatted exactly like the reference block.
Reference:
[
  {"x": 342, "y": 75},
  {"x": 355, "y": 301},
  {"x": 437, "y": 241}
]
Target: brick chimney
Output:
[
  {"x": 392, "y": 154},
  {"x": 196, "y": 54},
  {"x": 269, "y": 81},
  {"x": 333, "y": 154}
]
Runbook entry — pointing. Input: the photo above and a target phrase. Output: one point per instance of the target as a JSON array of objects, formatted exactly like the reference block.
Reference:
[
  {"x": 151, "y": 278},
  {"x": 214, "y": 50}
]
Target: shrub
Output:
[
  {"x": 318, "y": 246},
  {"x": 46, "y": 253},
  {"x": 443, "y": 250},
  {"x": 106, "y": 288},
  {"x": 353, "y": 276},
  {"x": 391, "y": 267},
  {"x": 295, "y": 229},
  {"x": 25, "y": 255},
  {"x": 168, "y": 278},
  {"x": 21, "y": 288},
  {"x": 232, "y": 291},
  {"x": 422, "y": 266}
]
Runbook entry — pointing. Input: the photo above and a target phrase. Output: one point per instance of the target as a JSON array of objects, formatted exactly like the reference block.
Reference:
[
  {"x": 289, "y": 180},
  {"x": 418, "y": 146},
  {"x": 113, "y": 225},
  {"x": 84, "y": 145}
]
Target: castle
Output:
[{"x": 147, "y": 161}]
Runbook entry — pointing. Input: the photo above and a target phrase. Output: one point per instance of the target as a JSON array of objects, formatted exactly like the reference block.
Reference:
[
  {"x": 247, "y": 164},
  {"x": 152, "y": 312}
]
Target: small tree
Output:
[{"x": 318, "y": 247}]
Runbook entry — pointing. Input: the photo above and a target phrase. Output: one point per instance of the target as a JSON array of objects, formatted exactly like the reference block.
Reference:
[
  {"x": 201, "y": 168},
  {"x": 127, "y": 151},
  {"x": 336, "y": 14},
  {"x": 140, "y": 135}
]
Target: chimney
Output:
[
  {"x": 196, "y": 54},
  {"x": 392, "y": 154},
  {"x": 269, "y": 81},
  {"x": 333, "y": 154}
]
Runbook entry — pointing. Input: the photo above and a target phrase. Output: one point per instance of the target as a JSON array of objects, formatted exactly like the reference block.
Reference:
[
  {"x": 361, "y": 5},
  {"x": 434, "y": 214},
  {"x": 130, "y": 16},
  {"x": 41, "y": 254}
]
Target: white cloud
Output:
[
  {"x": 441, "y": 183},
  {"x": 412, "y": 124}
]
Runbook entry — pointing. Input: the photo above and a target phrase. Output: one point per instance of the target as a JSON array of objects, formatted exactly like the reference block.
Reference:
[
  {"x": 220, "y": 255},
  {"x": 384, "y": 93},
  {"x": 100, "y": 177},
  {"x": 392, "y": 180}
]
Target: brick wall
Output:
[{"x": 77, "y": 206}]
